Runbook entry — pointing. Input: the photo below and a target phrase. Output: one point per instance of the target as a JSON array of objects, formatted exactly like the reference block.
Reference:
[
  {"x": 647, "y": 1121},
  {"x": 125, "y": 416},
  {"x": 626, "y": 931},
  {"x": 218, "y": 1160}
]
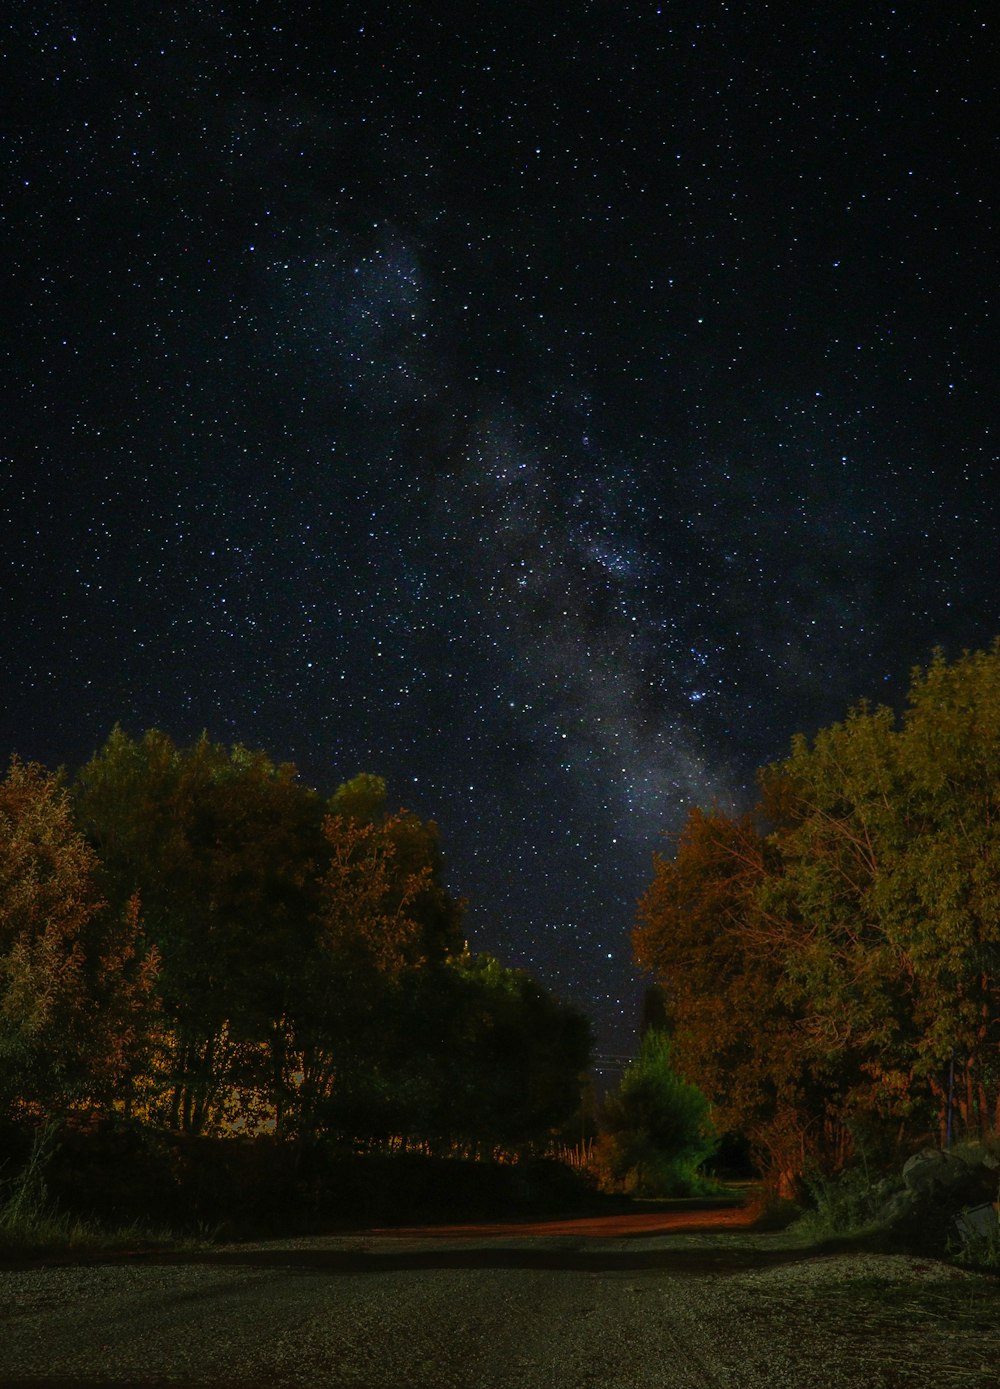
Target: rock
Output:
[
  {"x": 976, "y": 1154},
  {"x": 931, "y": 1168},
  {"x": 977, "y": 1223},
  {"x": 899, "y": 1207},
  {"x": 940, "y": 1189}
]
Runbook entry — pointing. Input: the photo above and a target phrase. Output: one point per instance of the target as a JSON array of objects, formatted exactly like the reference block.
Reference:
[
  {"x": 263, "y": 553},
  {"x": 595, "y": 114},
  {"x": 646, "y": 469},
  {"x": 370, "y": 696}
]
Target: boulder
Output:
[
  {"x": 931, "y": 1169},
  {"x": 899, "y": 1208},
  {"x": 978, "y": 1223},
  {"x": 976, "y": 1154},
  {"x": 939, "y": 1190}
]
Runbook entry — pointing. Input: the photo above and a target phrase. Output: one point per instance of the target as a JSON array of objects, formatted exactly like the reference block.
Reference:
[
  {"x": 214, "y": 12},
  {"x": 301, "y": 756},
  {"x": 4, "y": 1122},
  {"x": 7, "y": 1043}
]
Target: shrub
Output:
[{"x": 656, "y": 1129}]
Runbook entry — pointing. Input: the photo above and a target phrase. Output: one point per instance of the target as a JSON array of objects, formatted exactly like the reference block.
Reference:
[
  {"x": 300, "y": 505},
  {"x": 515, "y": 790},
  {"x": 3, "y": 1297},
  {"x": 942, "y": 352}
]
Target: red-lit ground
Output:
[{"x": 623, "y": 1225}]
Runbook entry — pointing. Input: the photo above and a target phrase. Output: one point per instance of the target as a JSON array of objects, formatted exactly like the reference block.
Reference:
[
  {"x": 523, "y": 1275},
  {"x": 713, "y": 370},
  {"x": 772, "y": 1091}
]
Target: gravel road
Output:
[{"x": 675, "y": 1306}]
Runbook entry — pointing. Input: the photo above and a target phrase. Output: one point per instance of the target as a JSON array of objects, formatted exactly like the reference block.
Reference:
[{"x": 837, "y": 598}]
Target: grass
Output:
[
  {"x": 51, "y": 1231},
  {"x": 32, "y": 1224}
]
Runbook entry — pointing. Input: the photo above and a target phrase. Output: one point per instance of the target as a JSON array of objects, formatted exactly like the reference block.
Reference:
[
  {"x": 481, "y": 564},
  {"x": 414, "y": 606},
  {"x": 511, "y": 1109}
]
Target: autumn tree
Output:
[
  {"x": 702, "y": 931},
  {"x": 839, "y": 966},
  {"x": 76, "y": 978},
  {"x": 415, "y": 846},
  {"x": 367, "y": 937}
]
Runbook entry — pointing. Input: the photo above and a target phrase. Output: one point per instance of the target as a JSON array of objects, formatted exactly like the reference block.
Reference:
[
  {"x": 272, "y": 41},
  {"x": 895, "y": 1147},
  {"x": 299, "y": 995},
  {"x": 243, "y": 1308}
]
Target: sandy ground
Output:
[{"x": 693, "y": 1300}]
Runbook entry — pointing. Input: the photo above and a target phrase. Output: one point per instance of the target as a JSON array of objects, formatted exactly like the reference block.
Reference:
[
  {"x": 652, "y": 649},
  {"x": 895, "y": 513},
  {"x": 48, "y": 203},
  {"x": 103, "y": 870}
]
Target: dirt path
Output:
[{"x": 690, "y": 1301}]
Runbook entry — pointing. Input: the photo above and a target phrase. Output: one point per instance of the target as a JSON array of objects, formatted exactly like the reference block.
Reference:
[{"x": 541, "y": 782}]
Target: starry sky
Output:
[{"x": 550, "y": 407}]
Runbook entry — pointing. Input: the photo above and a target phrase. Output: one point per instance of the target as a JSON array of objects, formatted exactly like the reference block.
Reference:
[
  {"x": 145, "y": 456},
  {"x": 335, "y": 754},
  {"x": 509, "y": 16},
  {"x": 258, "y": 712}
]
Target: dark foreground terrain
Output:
[{"x": 692, "y": 1300}]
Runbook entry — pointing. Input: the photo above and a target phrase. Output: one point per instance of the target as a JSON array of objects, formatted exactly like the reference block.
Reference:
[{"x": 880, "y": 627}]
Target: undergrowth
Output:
[
  {"x": 848, "y": 1204},
  {"x": 31, "y": 1222}
]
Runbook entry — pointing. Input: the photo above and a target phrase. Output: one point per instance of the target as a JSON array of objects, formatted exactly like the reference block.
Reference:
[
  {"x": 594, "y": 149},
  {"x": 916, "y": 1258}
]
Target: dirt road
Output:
[{"x": 691, "y": 1301}]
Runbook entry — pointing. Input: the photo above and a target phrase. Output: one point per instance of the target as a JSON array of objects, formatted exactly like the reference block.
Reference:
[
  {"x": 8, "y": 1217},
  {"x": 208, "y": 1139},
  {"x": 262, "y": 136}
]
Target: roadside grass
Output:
[
  {"x": 32, "y": 1224},
  {"x": 49, "y": 1231}
]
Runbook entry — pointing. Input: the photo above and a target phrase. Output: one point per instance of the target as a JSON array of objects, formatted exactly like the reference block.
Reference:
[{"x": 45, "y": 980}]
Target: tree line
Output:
[
  {"x": 193, "y": 938},
  {"x": 830, "y": 962}
]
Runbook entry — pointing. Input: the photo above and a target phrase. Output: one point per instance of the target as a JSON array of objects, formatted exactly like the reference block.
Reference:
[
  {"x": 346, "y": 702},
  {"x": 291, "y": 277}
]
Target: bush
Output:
[
  {"x": 113, "y": 1182},
  {"x": 31, "y": 1220},
  {"x": 845, "y": 1204},
  {"x": 770, "y": 1213},
  {"x": 630, "y": 1163},
  {"x": 656, "y": 1129}
]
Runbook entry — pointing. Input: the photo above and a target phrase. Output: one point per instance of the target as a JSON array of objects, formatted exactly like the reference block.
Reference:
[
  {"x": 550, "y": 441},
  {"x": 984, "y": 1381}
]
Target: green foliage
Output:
[
  {"x": 826, "y": 962},
  {"x": 656, "y": 1129},
  {"x": 221, "y": 847},
  {"x": 847, "y": 1203},
  {"x": 361, "y": 800}
]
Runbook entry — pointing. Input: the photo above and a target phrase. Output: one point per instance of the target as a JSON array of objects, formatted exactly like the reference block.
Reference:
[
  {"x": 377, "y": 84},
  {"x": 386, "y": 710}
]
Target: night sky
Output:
[{"x": 549, "y": 407}]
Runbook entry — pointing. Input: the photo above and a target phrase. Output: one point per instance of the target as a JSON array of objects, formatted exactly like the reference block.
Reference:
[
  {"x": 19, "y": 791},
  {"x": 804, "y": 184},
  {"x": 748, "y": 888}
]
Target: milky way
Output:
[{"x": 552, "y": 412}]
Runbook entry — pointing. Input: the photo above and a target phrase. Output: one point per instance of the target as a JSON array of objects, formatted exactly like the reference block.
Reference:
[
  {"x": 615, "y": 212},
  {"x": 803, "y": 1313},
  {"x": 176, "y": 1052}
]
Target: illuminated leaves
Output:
[
  {"x": 837, "y": 965},
  {"x": 75, "y": 981},
  {"x": 365, "y": 906}
]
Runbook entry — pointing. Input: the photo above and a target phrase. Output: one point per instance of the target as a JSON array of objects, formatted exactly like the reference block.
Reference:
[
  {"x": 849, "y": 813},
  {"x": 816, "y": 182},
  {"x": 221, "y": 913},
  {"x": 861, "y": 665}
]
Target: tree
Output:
[
  {"x": 416, "y": 850},
  {"x": 945, "y": 901},
  {"x": 223, "y": 848},
  {"x": 517, "y": 1058},
  {"x": 76, "y": 978},
  {"x": 477, "y": 1058},
  {"x": 381, "y": 917},
  {"x": 719, "y": 957},
  {"x": 656, "y": 1129},
  {"x": 855, "y": 946},
  {"x": 366, "y": 939},
  {"x": 892, "y": 855},
  {"x": 840, "y": 808}
]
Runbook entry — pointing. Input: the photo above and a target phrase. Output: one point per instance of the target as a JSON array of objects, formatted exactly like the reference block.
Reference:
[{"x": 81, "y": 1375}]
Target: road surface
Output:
[{"x": 683, "y": 1301}]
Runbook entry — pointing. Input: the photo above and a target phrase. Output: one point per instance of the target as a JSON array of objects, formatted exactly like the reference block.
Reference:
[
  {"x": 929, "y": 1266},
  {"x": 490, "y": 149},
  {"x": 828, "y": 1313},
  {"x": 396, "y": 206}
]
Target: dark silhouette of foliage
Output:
[{"x": 311, "y": 966}]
